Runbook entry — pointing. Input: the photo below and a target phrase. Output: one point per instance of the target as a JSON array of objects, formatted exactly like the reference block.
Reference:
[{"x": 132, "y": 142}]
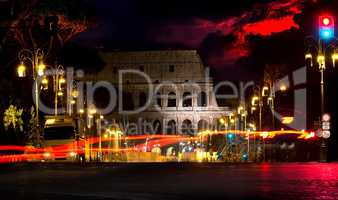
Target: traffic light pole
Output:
[
  {"x": 326, "y": 29},
  {"x": 323, "y": 146}
]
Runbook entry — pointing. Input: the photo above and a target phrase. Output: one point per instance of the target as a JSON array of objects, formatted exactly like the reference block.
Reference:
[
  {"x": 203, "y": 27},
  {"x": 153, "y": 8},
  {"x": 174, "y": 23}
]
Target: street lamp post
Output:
[
  {"x": 35, "y": 57},
  {"x": 59, "y": 80},
  {"x": 242, "y": 113},
  {"x": 257, "y": 100},
  {"x": 57, "y": 73},
  {"x": 325, "y": 45}
]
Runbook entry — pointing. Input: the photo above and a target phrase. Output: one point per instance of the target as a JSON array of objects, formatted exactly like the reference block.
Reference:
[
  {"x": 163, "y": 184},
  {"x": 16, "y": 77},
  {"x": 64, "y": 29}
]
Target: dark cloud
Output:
[
  {"x": 259, "y": 19},
  {"x": 228, "y": 34}
]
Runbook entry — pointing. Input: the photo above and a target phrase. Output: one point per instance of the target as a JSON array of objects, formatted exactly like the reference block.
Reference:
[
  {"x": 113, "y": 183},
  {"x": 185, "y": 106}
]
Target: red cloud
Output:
[
  {"x": 278, "y": 18},
  {"x": 269, "y": 26}
]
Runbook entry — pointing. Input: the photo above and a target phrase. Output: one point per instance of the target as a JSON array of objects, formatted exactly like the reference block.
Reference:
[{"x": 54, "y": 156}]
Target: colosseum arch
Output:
[
  {"x": 187, "y": 127},
  {"x": 172, "y": 99},
  {"x": 171, "y": 127},
  {"x": 202, "y": 99},
  {"x": 202, "y": 125},
  {"x": 157, "y": 127},
  {"x": 187, "y": 99}
]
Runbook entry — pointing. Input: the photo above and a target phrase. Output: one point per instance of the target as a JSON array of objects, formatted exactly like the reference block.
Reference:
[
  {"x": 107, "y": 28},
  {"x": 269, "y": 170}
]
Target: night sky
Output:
[{"x": 242, "y": 36}]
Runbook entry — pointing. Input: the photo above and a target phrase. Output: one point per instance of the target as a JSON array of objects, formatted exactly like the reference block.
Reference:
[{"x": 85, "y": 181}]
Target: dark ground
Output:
[{"x": 170, "y": 181}]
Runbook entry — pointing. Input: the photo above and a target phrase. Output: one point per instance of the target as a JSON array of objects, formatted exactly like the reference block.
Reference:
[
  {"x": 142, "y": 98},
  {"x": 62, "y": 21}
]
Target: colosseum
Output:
[{"x": 177, "y": 97}]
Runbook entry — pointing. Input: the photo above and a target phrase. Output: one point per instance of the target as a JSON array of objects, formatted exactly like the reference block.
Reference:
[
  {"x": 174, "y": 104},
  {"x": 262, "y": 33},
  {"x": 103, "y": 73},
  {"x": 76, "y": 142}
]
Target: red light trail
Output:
[{"x": 29, "y": 153}]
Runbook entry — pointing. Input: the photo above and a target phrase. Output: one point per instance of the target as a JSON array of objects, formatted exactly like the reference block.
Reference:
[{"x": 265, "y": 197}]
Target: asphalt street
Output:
[{"x": 170, "y": 181}]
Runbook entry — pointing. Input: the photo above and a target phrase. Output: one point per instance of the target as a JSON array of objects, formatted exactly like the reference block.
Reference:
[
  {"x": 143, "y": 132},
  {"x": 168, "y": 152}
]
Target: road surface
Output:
[{"x": 170, "y": 181}]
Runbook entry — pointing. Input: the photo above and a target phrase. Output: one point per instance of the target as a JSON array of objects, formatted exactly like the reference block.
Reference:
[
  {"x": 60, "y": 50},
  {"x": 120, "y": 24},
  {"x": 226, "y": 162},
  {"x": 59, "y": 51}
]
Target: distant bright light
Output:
[
  {"x": 72, "y": 153},
  {"x": 265, "y": 135},
  {"x": 62, "y": 80},
  {"x": 50, "y": 121},
  {"x": 287, "y": 120},
  {"x": 265, "y": 91},
  {"x": 326, "y": 117},
  {"x": 310, "y": 135},
  {"x": 21, "y": 70},
  {"x": 230, "y": 136},
  {"x": 326, "y": 27},
  {"x": 254, "y": 100},
  {"x": 46, "y": 154},
  {"x": 326, "y": 33},
  {"x": 326, "y": 21},
  {"x": 283, "y": 88},
  {"x": 308, "y": 56},
  {"x": 41, "y": 69}
]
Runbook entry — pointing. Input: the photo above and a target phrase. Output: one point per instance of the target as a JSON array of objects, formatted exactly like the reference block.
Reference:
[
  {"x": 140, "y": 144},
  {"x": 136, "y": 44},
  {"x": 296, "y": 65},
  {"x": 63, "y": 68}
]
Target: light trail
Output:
[
  {"x": 28, "y": 153},
  {"x": 263, "y": 134}
]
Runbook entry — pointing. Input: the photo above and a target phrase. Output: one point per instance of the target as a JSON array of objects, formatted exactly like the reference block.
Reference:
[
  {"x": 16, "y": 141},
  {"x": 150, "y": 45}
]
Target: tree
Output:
[
  {"x": 13, "y": 117},
  {"x": 274, "y": 72},
  {"x": 33, "y": 131},
  {"x": 35, "y": 23}
]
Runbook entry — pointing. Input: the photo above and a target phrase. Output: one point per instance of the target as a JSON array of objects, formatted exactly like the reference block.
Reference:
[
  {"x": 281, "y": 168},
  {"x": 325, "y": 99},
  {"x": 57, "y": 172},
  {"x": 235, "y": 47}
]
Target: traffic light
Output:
[
  {"x": 326, "y": 27},
  {"x": 230, "y": 136}
]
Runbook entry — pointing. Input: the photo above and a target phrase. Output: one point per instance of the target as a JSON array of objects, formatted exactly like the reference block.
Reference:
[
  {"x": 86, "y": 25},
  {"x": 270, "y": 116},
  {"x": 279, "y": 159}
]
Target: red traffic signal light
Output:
[
  {"x": 326, "y": 27},
  {"x": 326, "y": 21}
]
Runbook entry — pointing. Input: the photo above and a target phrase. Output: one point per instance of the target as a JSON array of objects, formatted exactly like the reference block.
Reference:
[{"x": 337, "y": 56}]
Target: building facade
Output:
[{"x": 162, "y": 92}]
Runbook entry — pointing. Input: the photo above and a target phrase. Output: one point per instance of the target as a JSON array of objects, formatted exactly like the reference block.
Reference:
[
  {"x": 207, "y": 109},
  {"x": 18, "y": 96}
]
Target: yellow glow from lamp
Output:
[
  {"x": 334, "y": 58},
  {"x": 21, "y": 70},
  {"x": 239, "y": 109},
  {"x": 50, "y": 121},
  {"x": 283, "y": 88},
  {"x": 92, "y": 111},
  {"x": 320, "y": 58},
  {"x": 75, "y": 93},
  {"x": 321, "y": 61},
  {"x": 308, "y": 56},
  {"x": 254, "y": 100},
  {"x": 287, "y": 120},
  {"x": 264, "y": 90},
  {"x": 41, "y": 69},
  {"x": 44, "y": 81},
  {"x": 60, "y": 93},
  {"x": 62, "y": 80}
]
